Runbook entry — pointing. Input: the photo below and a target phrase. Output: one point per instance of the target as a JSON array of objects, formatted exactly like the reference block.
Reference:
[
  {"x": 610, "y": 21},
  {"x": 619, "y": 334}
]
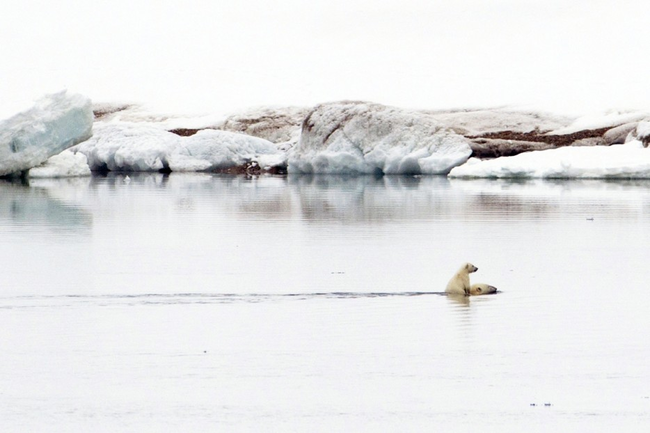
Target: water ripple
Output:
[{"x": 192, "y": 298}]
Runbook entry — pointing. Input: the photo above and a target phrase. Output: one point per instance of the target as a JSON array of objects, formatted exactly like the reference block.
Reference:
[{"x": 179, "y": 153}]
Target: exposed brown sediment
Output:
[
  {"x": 509, "y": 143},
  {"x": 186, "y": 132},
  {"x": 537, "y": 136},
  {"x": 103, "y": 111}
]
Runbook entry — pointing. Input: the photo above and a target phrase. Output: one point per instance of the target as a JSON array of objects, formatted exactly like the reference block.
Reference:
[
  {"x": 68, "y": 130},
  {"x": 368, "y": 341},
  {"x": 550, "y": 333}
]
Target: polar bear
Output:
[
  {"x": 481, "y": 289},
  {"x": 459, "y": 283}
]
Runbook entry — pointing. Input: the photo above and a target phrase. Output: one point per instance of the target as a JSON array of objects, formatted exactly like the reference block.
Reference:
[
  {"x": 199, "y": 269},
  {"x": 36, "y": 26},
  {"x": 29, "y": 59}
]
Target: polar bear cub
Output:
[
  {"x": 481, "y": 289},
  {"x": 459, "y": 283}
]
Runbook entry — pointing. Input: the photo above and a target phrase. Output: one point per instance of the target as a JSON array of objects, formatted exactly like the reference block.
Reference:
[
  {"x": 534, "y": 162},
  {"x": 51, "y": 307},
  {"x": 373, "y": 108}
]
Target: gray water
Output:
[{"x": 207, "y": 303}]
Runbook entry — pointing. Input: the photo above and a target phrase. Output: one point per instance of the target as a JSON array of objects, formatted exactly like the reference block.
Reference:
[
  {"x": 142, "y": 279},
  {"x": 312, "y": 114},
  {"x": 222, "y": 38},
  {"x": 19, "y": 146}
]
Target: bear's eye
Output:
[{"x": 479, "y": 290}]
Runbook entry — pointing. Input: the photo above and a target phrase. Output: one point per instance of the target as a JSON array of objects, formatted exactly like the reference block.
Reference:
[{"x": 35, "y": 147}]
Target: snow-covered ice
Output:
[
  {"x": 365, "y": 138},
  {"x": 126, "y": 147},
  {"x": 133, "y": 147},
  {"x": 210, "y": 149},
  {"x": 55, "y": 123},
  {"x": 625, "y": 161}
]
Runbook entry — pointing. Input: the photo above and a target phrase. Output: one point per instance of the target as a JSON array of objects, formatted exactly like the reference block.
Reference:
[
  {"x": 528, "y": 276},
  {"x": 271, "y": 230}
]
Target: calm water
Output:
[{"x": 203, "y": 303}]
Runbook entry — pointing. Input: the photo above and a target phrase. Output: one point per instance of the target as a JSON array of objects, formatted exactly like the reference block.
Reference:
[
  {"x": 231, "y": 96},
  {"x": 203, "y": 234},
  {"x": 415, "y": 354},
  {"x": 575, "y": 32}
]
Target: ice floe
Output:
[
  {"x": 55, "y": 123},
  {"x": 367, "y": 138}
]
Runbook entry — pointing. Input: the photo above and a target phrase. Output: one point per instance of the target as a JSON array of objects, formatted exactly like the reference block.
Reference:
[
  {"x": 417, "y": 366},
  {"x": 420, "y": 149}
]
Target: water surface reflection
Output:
[
  {"x": 25, "y": 206},
  {"x": 362, "y": 199}
]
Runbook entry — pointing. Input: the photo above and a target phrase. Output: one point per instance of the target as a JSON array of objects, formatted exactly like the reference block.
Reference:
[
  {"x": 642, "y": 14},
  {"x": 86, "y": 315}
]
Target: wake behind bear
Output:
[{"x": 459, "y": 283}]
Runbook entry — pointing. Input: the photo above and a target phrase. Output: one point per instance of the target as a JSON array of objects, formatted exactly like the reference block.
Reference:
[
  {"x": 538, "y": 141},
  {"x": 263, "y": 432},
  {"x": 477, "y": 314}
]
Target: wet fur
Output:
[
  {"x": 481, "y": 289},
  {"x": 459, "y": 283}
]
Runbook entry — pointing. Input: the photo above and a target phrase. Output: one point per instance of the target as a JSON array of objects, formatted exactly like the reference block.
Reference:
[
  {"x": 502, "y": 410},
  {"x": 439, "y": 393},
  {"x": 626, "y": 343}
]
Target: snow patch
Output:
[
  {"x": 625, "y": 161},
  {"x": 129, "y": 113},
  {"x": 601, "y": 120}
]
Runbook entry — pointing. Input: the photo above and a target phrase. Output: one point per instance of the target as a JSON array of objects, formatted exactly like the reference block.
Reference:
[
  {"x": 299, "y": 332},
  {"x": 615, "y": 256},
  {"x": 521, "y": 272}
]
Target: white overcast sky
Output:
[{"x": 220, "y": 56}]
